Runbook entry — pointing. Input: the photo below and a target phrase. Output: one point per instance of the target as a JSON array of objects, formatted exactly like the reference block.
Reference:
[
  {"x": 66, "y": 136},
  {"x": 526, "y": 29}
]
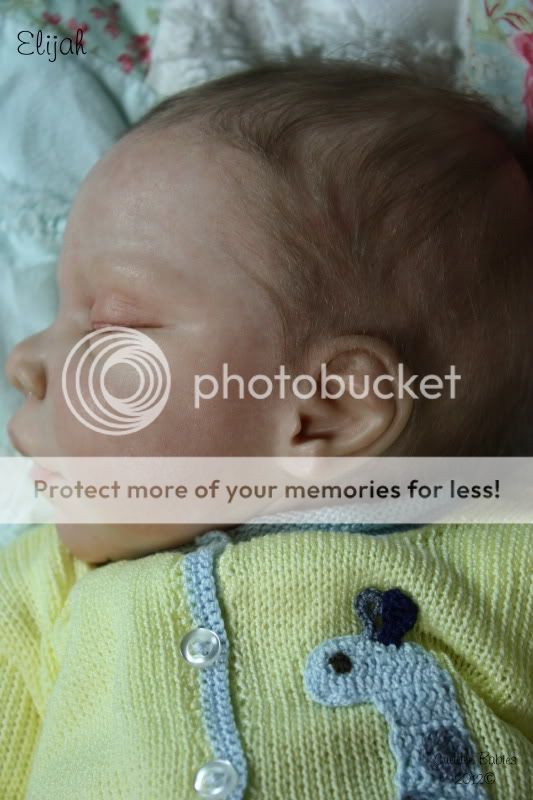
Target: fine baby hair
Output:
[{"x": 399, "y": 209}]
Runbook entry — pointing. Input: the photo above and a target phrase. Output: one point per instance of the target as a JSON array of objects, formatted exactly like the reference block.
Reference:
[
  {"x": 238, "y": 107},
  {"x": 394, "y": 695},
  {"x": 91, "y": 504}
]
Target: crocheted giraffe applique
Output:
[{"x": 403, "y": 681}]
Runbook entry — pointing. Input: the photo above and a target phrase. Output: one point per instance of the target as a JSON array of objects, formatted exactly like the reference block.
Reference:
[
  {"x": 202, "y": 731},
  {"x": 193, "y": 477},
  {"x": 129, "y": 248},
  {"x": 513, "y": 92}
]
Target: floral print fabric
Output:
[
  {"x": 499, "y": 57},
  {"x": 122, "y": 33}
]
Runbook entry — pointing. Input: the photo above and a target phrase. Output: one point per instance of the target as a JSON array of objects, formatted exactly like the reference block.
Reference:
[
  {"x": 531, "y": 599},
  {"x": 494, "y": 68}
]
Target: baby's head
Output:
[{"x": 297, "y": 215}]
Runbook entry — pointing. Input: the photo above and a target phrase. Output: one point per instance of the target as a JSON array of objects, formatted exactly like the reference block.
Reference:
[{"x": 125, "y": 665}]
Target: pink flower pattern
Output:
[
  {"x": 523, "y": 45},
  {"x": 51, "y": 19},
  {"x": 138, "y": 52},
  {"x": 516, "y": 22},
  {"x": 74, "y": 26},
  {"x": 125, "y": 62},
  {"x": 112, "y": 26},
  {"x": 112, "y": 29}
]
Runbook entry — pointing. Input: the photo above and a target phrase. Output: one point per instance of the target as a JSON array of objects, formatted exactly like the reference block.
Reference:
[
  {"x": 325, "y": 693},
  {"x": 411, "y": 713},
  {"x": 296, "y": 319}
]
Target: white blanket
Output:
[{"x": 199, "y": 41}]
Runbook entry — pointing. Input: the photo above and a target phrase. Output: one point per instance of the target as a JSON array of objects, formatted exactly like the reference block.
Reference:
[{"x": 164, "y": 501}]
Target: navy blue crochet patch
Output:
[
  {"x": 387, "y": 616},
  {"x": 404, "y": 682}
]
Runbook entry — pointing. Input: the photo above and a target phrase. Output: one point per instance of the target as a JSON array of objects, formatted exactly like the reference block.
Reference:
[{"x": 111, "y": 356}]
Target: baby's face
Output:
[{"x": 158, "y": 239}]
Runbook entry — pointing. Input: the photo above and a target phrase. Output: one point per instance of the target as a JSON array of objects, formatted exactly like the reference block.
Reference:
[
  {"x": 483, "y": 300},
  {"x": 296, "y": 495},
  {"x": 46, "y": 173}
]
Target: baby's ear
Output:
[
  {"x": 357, "y": 409},
  {"x": 399, "y": 615}
]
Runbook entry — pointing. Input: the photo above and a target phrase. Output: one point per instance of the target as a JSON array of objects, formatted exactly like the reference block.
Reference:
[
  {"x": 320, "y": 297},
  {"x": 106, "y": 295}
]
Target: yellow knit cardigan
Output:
[{"x": 98, "y": 703}]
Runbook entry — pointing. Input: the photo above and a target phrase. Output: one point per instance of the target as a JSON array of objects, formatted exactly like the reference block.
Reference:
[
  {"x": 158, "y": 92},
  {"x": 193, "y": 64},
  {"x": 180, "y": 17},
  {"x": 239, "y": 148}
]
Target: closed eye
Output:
[{"x": 97, "y": 325}]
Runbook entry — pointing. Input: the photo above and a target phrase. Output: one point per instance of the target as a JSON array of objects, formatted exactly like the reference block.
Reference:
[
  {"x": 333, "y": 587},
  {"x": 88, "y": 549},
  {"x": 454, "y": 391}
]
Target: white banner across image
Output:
[{"x": 232, "y": 491}]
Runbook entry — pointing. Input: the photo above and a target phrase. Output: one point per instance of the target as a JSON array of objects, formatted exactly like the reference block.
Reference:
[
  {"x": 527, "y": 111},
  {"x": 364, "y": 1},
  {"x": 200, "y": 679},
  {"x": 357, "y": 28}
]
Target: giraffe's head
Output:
[{"x": 349, "y": 669}]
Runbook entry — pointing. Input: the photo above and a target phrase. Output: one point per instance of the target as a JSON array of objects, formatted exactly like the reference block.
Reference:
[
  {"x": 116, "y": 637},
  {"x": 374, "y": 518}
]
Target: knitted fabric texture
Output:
[{"x": 98, "y": 702}]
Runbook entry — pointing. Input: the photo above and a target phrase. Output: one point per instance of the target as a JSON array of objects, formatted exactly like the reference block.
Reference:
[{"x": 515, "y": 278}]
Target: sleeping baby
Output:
[{"x": 299, "y": 214}]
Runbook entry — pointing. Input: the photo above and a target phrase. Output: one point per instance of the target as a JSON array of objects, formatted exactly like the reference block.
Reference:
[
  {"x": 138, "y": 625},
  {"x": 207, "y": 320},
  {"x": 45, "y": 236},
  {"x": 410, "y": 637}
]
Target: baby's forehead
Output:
[
  {"x": 171, "y": 156},
  {"x": 165, "y": 179},
  {"x": 167, "y": 198},
  {"x": 141, "y": 164}
]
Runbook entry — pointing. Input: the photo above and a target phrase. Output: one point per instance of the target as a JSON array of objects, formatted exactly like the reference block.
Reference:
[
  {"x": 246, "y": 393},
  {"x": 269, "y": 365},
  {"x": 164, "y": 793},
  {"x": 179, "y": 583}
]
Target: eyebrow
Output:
[
  {"x": 116, "y": 302},
  {"x": 124, "y": 280},
  {"x": 125, "y": 270}
]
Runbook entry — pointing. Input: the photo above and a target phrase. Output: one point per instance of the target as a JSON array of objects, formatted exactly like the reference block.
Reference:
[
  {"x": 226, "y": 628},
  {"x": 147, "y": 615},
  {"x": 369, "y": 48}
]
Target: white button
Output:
[
  {"x": 200, "y": 647},
  {"x": 216, "y": 779}
]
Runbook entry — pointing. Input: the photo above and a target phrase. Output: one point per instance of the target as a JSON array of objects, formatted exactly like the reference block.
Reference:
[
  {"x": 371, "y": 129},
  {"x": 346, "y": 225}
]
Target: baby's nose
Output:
[{"x": 25, "y": 369}]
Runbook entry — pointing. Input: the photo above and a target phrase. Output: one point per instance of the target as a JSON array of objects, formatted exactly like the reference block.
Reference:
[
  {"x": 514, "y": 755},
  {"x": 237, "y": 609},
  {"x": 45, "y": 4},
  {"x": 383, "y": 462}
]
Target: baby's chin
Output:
[{"x": 100, "y": 544}]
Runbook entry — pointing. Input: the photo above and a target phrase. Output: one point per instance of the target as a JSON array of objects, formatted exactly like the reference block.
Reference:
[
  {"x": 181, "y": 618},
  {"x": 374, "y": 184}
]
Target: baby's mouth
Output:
[{"x": 38, "y": 472}]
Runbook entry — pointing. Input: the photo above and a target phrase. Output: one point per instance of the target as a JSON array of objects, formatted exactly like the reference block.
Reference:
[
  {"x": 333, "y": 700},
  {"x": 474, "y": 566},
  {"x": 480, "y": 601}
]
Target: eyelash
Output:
[
  {"x": 97, "y": 325},
  {"x": 102, "y": 325}
]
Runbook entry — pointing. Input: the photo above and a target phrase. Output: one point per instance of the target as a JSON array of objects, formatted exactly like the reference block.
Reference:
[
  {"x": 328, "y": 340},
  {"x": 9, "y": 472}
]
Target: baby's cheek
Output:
[
  {"x": 123, "y": 382},
  {"x": 108, "y": 398},
  {"x": 87, "y": 407}
]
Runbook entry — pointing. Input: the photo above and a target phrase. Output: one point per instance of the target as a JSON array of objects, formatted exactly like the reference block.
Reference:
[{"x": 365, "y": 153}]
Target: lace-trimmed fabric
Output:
[
  {"x": 39, "y": 215},
  {"x": 227, "y": 36}
]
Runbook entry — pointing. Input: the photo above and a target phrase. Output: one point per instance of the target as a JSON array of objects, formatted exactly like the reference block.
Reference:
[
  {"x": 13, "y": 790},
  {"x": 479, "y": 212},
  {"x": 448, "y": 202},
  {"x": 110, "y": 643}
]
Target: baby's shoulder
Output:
[{"x": 37, "y": 572}]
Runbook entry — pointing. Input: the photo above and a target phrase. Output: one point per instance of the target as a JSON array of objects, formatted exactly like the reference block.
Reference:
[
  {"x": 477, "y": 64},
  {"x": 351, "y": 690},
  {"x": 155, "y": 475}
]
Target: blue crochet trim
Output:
[
  {"x": 404, "y": 682},
  {"x": 251, "y": 530},
  {"x": 217, "y": 710}
]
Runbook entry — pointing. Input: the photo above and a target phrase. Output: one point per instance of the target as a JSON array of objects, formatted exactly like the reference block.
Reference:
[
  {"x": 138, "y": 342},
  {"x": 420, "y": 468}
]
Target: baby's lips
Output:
[
  {"x": 13, "y": 438},
  {"x": 41, "y": 473}
]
